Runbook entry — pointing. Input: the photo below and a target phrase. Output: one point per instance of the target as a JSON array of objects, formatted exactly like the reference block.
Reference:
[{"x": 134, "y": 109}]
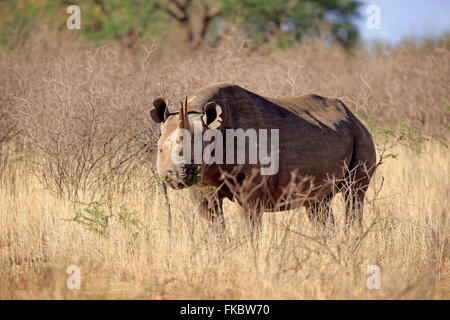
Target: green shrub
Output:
[{"x": 97, "y": 216}]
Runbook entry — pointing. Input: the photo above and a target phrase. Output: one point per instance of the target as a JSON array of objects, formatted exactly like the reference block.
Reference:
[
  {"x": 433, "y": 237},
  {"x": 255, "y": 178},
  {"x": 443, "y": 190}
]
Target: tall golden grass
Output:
[
  {"x": 73, "y": 109},
  {"x": 290, "y": 260}
]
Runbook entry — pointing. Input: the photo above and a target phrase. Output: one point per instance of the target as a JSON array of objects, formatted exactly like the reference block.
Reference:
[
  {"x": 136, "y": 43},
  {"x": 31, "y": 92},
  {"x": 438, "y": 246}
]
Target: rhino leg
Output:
[
  {"x": 320, "y": 212},
  {"x": 354, "y": 192},
  {"x": 210, "y": 206},
  {"x": 354, "y": 201}
]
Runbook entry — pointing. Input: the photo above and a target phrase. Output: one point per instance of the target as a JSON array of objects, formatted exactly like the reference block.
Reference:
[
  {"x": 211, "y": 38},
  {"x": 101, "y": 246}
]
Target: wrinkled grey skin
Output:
[{"x": 319, "y": 138}]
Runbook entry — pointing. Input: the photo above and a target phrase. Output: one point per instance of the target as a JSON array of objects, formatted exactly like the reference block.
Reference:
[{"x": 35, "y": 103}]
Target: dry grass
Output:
[
  {"x": 409, "y": 243},
  {"x": 88, "y": 109}
]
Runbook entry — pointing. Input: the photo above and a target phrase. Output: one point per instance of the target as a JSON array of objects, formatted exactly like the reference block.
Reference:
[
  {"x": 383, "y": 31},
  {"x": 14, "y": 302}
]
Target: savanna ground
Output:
[{"x": 75, "y": 127}]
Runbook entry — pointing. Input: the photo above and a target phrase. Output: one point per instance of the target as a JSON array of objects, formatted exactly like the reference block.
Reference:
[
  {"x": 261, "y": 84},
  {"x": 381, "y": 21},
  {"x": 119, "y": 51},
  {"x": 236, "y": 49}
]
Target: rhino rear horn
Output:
[
  {"x": 160, "y": 112},
  {"x": 213, "y": 115},
  {"x": 183, "y": 116}
]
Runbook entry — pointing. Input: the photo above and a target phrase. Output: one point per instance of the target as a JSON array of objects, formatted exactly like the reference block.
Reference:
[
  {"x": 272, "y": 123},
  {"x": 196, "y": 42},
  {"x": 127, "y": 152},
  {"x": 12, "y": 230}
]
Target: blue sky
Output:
[{"x": 413, "y": 19}]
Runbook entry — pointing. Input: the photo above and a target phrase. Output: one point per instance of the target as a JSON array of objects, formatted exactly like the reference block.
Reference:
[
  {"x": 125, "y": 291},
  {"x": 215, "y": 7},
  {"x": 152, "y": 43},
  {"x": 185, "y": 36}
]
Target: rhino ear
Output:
[
  {"x": 213, "y": 115},
  {"x": 160, "y": 111}
]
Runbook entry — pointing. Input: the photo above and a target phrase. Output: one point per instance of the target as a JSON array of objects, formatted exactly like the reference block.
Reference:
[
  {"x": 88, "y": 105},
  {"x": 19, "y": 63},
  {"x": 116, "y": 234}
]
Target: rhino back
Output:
[{"x": 315, "y": 132}]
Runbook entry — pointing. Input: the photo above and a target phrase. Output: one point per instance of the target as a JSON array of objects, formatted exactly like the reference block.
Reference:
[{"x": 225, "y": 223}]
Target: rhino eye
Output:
[{"x": 160, "y": 150}]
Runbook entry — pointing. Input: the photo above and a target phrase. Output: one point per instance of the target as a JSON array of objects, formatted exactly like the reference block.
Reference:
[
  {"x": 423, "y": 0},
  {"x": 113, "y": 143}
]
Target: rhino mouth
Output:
[
  {"x": 183, "y": 178},
  {"x": 178, "y": 186}
]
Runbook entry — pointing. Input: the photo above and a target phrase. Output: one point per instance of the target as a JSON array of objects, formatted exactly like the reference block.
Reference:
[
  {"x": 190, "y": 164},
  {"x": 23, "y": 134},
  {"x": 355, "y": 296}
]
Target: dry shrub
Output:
[
  {"x": 86, "y": 111},
  {"x": 86, "y": 118}
]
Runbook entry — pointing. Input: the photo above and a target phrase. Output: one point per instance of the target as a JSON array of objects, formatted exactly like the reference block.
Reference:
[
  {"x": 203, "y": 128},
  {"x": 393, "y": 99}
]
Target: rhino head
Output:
[{"x": 177, "y": 162}]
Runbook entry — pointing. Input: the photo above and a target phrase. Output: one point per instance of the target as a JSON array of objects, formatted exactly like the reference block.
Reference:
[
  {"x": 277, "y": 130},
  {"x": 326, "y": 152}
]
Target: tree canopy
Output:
[{"x": 128, "y": 21}]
